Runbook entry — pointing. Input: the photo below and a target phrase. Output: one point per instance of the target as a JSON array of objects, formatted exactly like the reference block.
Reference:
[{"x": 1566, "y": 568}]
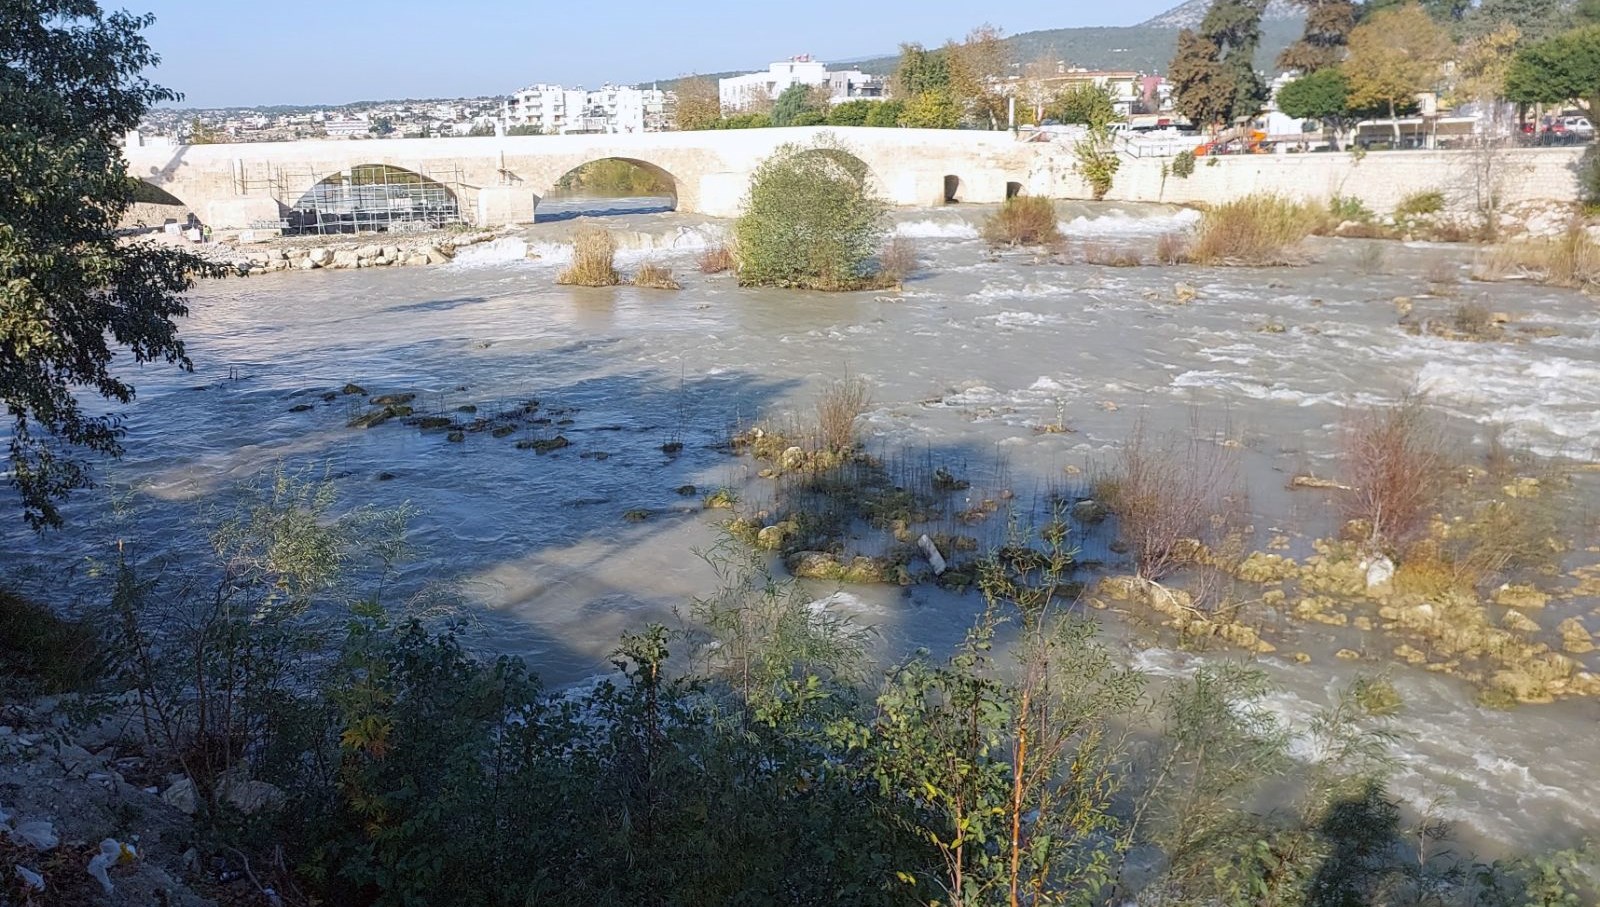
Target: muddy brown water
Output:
[{"x": 975, "y": 353}]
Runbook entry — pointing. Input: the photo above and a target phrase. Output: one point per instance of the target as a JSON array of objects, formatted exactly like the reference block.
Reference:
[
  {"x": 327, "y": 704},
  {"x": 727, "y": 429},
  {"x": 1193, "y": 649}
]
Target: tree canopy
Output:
[
  {"x": 1328, "y": 25},
  {"x": 1563, "y": 69},
  {"x": 76, "y": 305},
  {"x": 1394, "y": 55},
  {"x": 1213, "y": 71},
  {"x": 698, "y": 105},
  {"x": 1082, "y": 103},
  {"x": 1323, "y": 95}
]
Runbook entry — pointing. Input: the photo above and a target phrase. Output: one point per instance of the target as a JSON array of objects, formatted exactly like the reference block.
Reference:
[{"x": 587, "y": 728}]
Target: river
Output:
[{"x": 976, "y": 352}]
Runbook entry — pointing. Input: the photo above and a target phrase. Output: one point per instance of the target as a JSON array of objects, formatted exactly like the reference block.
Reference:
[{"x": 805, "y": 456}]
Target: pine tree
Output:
[
  {"x": 1328, "y": 24},
  {"x": 1213, "y": 72}
]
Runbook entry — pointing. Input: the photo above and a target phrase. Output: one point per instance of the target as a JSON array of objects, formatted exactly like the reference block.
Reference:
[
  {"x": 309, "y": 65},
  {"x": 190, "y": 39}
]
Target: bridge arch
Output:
[
  {"x": 374, "y": 197},
  {"x": 589, "y": 187}
]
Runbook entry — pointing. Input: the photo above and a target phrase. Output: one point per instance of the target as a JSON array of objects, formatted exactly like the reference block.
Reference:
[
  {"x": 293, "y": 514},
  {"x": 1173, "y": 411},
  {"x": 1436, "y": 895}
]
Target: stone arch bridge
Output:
[{"x": 500, "y": 180}]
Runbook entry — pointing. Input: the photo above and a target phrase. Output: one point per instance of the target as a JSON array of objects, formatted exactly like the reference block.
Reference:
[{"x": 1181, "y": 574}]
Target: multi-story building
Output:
[
  {"x": 751, "y": 89},
  {"x": 611, "y": 108},
  {"x": 1126, "y": 88}
]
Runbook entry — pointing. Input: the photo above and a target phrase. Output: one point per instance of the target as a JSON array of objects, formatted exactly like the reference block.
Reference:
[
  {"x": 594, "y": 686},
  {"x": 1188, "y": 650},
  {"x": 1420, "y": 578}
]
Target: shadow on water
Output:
[{"x": 438, "y": 305}]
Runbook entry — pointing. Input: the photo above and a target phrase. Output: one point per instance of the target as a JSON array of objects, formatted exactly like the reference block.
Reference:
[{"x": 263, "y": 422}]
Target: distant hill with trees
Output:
[{"x": 1147, "y": 47}]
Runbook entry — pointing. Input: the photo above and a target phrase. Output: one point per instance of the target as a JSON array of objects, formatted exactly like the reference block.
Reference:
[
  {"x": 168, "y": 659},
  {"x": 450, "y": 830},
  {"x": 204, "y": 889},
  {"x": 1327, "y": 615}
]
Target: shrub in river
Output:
[
  {"x": 717, "y": 259},
  {"x": 1170, "y": 497},
  {"x": 1171, "y": 248},
  {"x": 654, "y": 277},
  {"x": 1259, "y": 229},
  {"x": 1109, "y": 255},
  {"x": 842, "y": 402},
  {"x": 1570, "y": 260},
  {"x": 1393, "y": 463},
  {"x": 594, "y": 253},
  {"x": 1023, "y": 220},
  {"x": 1474, "y": 321},
  {"x": 810, "y": 221},
  {"x": 898, "y": 260}
]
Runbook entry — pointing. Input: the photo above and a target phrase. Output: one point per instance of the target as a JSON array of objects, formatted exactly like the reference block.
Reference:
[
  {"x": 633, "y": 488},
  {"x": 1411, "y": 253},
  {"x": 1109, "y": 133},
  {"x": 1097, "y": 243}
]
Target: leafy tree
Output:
[
  {"x": 920, "y": 70},
  {"x": 1202, "y": 89},
  {"x": 527, "y": 129},
  {"x": 1328, "y": 25},
  {"x": 1394, "y": 56},
  {"x": 743, "y": 121},
  {"x": 697, "y": 105},
  {"x": 810, "y": 221},
  {"x": 886, "y": 113},
  {"x": 978, "y": 66},
  {"x": 381, "y": 126},
  {"x": 482, "y": 130},
  {"x": 1324, "y": 96},
  {"x": 1482, "y": 65},
  {"x": 1587, "y": 12},
  {"x": 72, "y": 297},
  {"x": 798, "y": 102},
  {"x": 852, "y": 113},
  {"x": 1083, "y": 103},
  {"x": 1213, "y": 72},
  {"x": 1564, "y": 69},
  {"x": 934, "y": 109}
]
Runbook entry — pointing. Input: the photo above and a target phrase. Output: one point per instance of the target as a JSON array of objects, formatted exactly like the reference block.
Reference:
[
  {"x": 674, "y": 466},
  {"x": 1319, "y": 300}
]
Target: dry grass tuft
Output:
[
  {"x": 1171, "y": 248},
  {"x": 1108, "y": 255},
  {"x": 594, "y": 253},
  {"x": 842, "y": 402},
  {"x": 652, "y": 276},
  {"x": 898, "y": 260},
  {"x": 717, "y": 259},
  {"x": 1256, "y": 230},
  {"x": 1570, "y": 260},
  {"x": 1393, "y": 461},
  {"x": 1024, "y": 220},
  {"x": 1473, "y": 319},
  {"x": 1171, "y": 497}
]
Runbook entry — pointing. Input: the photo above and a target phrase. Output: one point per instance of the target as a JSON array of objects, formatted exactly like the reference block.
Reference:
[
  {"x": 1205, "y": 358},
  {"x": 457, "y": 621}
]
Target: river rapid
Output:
[{"x": 965, "y": 363}]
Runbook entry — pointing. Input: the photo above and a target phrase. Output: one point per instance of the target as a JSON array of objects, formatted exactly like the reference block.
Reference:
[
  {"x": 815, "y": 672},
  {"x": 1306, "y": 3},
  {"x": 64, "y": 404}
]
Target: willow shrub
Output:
[{"x": 811, "y": 222}]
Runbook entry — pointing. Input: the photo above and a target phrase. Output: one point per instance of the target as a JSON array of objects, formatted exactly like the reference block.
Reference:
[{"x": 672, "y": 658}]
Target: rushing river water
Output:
[{"x": 964, "y": 364}]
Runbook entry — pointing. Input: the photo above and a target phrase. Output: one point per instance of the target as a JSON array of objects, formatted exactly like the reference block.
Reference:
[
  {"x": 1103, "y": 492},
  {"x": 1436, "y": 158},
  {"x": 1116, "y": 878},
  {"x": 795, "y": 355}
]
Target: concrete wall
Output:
[{"x": 1380, "y": 179}]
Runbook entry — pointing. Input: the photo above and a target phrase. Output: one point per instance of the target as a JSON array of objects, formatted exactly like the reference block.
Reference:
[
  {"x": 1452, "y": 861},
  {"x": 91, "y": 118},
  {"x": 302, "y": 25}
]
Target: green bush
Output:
[
  {"x": 1429, "y": 201},
  {"x": 886, "y": 113},
  {"x": 810, "y": 221},
  {"x": 1097, "y": 162},
  {"x": 1347, "y": 207},
  {"x": 1258, "y": 229},
  {"x": 1183, "y": 165},
  {"x": 1589, "y": 177},
  {"x": 852, "y": 113}
]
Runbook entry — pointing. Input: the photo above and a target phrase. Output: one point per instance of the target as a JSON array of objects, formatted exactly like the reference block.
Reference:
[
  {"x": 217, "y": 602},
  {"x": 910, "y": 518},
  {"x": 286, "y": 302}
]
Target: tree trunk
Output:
[{"x": 1394, "y": 120}]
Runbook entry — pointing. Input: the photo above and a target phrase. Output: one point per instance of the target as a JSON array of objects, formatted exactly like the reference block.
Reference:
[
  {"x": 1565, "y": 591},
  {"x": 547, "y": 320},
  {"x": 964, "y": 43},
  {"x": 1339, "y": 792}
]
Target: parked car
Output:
[{"x": 1579, "y": 127}]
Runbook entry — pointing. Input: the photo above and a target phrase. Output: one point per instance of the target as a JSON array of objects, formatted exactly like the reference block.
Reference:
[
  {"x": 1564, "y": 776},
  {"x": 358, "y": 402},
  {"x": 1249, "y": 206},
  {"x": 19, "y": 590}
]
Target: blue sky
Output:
[{"x": 231, "y": 52}]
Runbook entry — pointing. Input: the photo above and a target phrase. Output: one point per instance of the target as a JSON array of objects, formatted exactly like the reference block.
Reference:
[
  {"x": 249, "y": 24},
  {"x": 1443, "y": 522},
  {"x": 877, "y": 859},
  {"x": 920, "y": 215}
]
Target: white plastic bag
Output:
[{"x": 112, "y": 852}]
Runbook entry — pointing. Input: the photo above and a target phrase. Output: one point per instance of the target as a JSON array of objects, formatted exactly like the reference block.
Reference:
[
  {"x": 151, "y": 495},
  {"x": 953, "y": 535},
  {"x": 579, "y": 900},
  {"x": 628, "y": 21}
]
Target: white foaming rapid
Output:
[
  {"x": 1120, "y": 223},
  {"x": 935, "y": 229}
]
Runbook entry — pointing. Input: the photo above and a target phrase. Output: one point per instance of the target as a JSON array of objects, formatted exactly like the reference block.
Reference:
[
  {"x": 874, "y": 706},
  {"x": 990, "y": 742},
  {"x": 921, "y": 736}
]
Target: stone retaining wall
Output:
[
  {"x": 1379, "y": 179},
  {"x": 373, "y": 251}
]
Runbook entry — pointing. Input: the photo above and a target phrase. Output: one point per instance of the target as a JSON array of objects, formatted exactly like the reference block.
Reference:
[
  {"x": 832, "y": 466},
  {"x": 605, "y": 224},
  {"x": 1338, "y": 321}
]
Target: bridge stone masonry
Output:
[{"x": 500, "y": 180}]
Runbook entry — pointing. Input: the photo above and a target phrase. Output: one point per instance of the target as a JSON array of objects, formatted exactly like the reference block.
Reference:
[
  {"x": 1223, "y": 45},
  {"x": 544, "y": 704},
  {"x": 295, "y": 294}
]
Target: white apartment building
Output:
[
  {"x": 742, "y": 92},
  {"x": 558, "y": 111},
  {"x": 348, "y": 127}
]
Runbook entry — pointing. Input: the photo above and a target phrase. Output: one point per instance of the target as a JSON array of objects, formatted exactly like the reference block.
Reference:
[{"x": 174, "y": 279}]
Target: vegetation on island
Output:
[{"x": 811, "y": 220}]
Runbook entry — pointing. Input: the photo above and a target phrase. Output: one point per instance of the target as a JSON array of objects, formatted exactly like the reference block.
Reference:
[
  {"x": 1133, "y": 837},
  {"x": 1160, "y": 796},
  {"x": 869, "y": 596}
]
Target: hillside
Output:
[
  {"x": 1146, "y": 47},
  {"x": 1189, "y": 14}
]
